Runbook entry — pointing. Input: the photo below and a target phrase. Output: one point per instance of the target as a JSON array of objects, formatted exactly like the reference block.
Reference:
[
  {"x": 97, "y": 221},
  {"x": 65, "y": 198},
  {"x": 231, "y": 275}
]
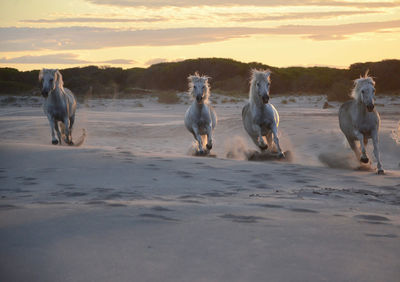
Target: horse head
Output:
[
  {"x": 364, "y": 91},
  {"x": 260, "y": 83},
  {"x": 199, "y": 87},
  {"x": 50, "y": 79}
]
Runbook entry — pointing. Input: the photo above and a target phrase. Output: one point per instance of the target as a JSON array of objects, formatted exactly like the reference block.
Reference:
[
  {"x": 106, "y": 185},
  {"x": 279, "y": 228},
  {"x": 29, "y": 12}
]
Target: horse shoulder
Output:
[
  {"x": 276, "y": 115},
  {"x": 245, "y": 111}
]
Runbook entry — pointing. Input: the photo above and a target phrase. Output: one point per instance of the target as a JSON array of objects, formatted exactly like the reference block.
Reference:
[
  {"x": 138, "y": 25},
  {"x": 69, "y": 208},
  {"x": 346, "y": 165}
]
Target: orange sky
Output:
[{"x": 133, "y": 33}]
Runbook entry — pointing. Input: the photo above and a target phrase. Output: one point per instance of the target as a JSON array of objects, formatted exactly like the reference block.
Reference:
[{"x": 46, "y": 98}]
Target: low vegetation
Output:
[{"x": 228, "y": 77}]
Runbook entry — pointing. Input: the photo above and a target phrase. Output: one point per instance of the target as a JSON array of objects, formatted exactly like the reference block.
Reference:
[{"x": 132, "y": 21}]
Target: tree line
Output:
[{"x": 228, "y": 77}]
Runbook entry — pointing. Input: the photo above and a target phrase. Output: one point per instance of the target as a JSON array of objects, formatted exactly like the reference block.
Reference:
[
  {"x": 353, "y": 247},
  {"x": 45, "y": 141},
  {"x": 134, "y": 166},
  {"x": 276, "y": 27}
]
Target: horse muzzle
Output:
[
  {"x": 45, "y": 93},
  {"x": 199, "y": 99},
  {"x": 370, "y": 107},
  {"x": 265, "y": 99}
]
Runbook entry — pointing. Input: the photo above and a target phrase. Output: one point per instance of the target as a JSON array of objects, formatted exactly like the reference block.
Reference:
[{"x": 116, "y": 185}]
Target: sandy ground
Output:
[{"x": 132, "y": 204}]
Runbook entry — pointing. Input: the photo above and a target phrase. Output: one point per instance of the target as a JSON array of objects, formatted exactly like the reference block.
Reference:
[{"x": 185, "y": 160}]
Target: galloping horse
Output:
[
  {"x": 60, "y": 104},
  {"x": 200, "y": 117},
  {"x": 260, "y": 118},
  {"x": 359, "y": 120}
]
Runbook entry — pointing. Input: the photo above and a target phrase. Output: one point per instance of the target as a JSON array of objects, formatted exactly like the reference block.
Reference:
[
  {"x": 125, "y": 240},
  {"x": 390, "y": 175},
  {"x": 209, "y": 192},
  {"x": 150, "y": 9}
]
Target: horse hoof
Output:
[
  {"x": 70, "y": 143},
  {"x": 381, "y": 172},
  {"x": 54, "y": 142},
  {"x": 281, "y": 156},
  {"x": 364, "y": 160},
  {"x": 209, "y": 147},
  {"x": 263, "y": 147}
]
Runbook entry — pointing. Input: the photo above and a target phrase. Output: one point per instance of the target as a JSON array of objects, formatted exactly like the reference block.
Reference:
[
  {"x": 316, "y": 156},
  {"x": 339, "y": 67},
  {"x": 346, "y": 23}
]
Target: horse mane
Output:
[
  {"x": 258, "y": 75},
  {"x": 57, "y": 76},
  {"x": 197, "y": 78},
  {"x": 359, "y": 82}
]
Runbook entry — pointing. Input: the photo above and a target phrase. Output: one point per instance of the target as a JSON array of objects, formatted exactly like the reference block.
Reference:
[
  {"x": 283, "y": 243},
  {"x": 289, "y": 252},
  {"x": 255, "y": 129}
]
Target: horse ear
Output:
[
  {"x": 366, "y": 73},
  {"x": 41, "y": 75},
  {"x": 58, "y": 77}
]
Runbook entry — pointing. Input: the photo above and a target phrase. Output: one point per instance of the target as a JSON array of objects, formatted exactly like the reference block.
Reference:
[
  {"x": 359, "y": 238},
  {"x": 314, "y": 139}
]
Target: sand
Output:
[{"x": 132, "y": 204}]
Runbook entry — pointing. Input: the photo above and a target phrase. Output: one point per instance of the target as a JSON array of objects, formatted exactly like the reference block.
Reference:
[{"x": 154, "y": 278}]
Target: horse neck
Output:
[
  {"x": 255, "y": 99},
  {"x": 199, "y": 107},
  {"x": 361, "y": 108},
  {"x": 56, "y": 95}
]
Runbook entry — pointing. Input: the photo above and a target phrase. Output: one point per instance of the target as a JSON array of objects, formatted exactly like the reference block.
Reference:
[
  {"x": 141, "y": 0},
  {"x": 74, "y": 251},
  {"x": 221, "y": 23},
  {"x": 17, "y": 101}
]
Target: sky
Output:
[{"x": 138, "y": 33}]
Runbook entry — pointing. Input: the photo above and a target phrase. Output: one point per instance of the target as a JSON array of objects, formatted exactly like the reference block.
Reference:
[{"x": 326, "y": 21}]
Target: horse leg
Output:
[
  {"x": 375, "y": 142},
  {"x": 260, "y": 139},
  {"x": 58, "y": 131},
  {"x": 54, "y": 141},
  {"x": 269, "y": 141},
  {"x": 209, "y": 137},
  {"x": 71, "y": 124},
  {"x": 197, "y": 136},
  {"x": 354, "y": 147},
  {"x": 276, "y": 141},
  {"x": 67, "y": 132},
  {"x": 360, "y": 137}
]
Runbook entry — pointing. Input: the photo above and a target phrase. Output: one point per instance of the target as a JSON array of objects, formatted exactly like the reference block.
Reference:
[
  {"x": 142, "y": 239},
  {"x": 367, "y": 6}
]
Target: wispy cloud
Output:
[
  {"x": 263, "y": 3},
  {"x": 118, "y": 62},
  {"x": 161, "y": 60},
  {"x": 95, "y": 20},
  {"x": 155, "y": 61},
  {"x": 60, "y": 58},
  {"x": 247, "y": 17},
  {"x": 74, "y": 38}
]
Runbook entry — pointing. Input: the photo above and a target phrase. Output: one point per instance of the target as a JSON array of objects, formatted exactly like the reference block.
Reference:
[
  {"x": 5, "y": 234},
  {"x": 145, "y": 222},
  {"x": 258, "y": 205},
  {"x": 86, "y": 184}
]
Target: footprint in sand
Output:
[
  {"x": 243, "y": 218},
  {"x": 161, "y": 209},
  {"x": 157, "y": 216},
  {"x": 381, "y": 235},
  {"x": 372, "y": 218}
]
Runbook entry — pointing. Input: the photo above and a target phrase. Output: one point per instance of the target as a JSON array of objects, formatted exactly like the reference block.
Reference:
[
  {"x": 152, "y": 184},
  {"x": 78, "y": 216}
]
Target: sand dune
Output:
[{"x": 132, "y": 203}]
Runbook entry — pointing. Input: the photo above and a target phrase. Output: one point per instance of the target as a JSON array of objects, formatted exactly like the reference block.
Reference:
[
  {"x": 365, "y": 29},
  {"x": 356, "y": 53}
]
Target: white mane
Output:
[
  {"x": 258, "y": 75},
  {"x": 196, "y": 79},
  {"x": 359, "y": 83},
  {"x": 55, "y": 73}
]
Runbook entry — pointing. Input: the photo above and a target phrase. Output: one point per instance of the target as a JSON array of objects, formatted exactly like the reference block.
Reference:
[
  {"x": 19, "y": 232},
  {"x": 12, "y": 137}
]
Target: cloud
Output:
[
  {"x": 60, "y": 58},
  {"x": 155, "y": 61},
  {"x": 246, "y": 17},
  {"x": 75, "y": 38},
  {"x": 262, "y": 3},
  {"x": 119, "y": 62},
  {"x": 95, "y": 20},
  {"x": 162, "y": 60}
]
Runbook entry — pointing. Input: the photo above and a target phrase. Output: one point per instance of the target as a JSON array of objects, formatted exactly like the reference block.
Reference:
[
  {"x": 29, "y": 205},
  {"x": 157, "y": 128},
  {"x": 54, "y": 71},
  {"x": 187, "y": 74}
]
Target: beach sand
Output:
[{"x": 133, "y": 204}]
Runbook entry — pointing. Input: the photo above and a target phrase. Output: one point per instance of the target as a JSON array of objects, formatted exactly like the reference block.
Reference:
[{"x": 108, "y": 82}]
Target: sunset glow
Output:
[{"x": 133, "y": 33}]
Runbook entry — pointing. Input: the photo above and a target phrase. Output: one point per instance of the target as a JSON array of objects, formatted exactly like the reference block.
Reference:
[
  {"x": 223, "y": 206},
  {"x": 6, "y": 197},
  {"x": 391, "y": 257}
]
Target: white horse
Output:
[
  {"x": 359, "y": 121},
  {"x": 260, "y": 118},
  {"x": 59, "y": 106},
  {"x": 200, "y": 117}
]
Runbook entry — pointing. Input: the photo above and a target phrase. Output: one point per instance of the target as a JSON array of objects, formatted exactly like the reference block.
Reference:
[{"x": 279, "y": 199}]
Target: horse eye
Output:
[
  {"x": 195, "y": 87},
  {"x": 258, "y": 84},
  {"x": 362, "y": 91}
]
